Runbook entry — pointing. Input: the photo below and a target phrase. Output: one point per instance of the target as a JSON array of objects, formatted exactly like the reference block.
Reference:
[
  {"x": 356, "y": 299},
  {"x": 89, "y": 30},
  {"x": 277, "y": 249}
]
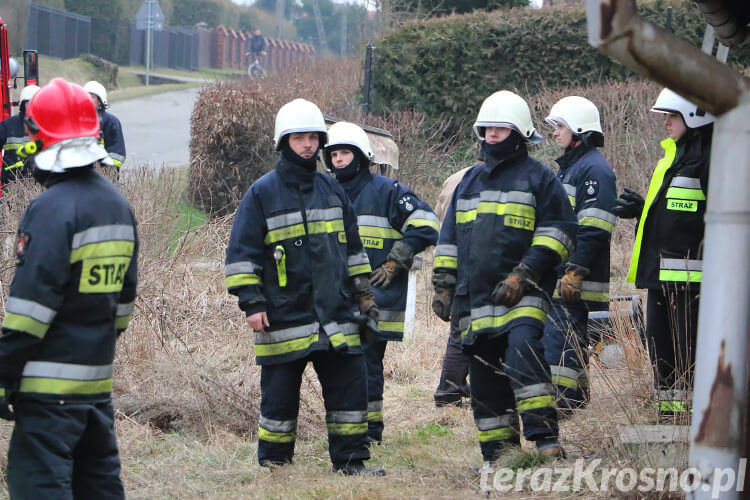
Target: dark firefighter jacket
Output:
[
  {"x": 73, "y": 289},
  {"x": 293, "y": 249},
  {"x": 589, "y": 182},
  {"x": 387, "y": 212},
  {"x": 668, "y": 246},
  {"x": 503, "y": 212},
  {"x": 12, "y": 136},
  {"x": 112, "y": 137}
]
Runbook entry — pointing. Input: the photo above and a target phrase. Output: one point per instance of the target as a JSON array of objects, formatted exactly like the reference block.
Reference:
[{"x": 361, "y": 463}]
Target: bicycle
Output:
[{"x": 256, "y": 69}]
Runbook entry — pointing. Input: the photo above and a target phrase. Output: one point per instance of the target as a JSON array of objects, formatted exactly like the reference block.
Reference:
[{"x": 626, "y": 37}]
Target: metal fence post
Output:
[{"x": 368, "y": 78}]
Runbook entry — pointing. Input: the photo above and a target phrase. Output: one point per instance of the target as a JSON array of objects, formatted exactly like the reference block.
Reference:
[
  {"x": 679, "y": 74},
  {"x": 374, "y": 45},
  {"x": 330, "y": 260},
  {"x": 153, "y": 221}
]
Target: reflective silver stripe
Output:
[
  {"x": 117, "y": 157},
  {"x": 357, "y": 259},
  {"x": 246, "y": 267},
  {"x": 598, "y": 213},
  {"x": 31, "y": 309},
  {"x": 570, "y": 190},
  {"x": 17, "y": 140},
  {"x": 346, "y": 328},
  {"x": 67, "y": 371},
  {"x": 564, "y": 371},
  {"x": 420, "y": 214},
  {"x": 125, "y": 309},
  {"x": 283, "y": 220},
  {"x": 375, "y": 406},
  {"x": 317, "y": 214},
  {"x": 487, "y": 424},
  {"x": 103, "y": 233},
  {"x": 391, "y": 315},
  {"x": 686, "y": 182},
  {"x": 674, "y": 395},
  {"x": 464, "y": 323},
  {"x": 296, "y": 332},
  {"x": 531, "y": 391},
  {"x": 508, "y": 197},
  {"x": 446, "y": 250},
  {"x": 272, "y": 425},
  {"x": 555, "y": 233},
  {"x": 496, "y": 311},
  {"x": 374, "y": 221},
  {"x": 595, "y": 286},
  {"x": 681, "y": 264},
  {"x": 346, "y": 417},
  {"x": 466, "y": 205}
]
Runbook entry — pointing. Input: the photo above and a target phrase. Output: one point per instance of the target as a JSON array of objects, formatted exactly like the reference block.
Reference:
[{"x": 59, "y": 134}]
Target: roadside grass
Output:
[{"x": 125, "y": 93}]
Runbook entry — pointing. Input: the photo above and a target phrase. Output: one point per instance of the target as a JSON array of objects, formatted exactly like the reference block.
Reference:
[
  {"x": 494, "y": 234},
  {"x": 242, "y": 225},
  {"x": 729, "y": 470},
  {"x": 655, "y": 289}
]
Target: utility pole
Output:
[
  {"x": 319, "y": 25},
  {"x": 280, "y": 8},
  {"x": 344, "y": 34}
]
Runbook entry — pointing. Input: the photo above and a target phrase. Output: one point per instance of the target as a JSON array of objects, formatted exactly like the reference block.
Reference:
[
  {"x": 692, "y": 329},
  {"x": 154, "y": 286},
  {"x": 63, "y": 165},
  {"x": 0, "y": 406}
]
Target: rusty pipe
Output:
[
  {"x": 616, "y": 28},
  {"x": 728, "y": 28}
]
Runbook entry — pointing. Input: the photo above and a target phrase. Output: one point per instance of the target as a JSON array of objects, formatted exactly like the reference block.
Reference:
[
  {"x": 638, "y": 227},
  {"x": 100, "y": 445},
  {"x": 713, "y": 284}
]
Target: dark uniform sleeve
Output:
[
  {"x": 357, "y": 261},
  {"x": 114, "y": 141},
  {"x": 596, "y": 192},
  {"x": 555, "y": 234},
  {"x": 413, "y": 218},
  {"x": 446, "y": 251},
  {"x": 243, "y": 267},
  {"x": 37, "y": 290},
  {"x": 3, "y": 140},
  {"x": 126, "y": 300}
]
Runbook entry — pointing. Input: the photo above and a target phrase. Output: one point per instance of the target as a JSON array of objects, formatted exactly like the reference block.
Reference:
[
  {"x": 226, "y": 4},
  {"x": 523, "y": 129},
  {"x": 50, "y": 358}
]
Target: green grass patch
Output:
[
  {"x": 188, "y": 220},
  {"x": 426, "y": 432}
]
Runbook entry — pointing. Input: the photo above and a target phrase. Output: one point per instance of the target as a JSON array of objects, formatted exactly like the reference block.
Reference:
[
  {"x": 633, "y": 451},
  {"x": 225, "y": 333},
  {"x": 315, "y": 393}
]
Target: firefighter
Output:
[
  {"x": 583, "y": 284},
  {"x": 112, "y": 138},
  {"x": 296, "y": 263},
  {"x": 12, "y": 137},
  {"x": 71, "y": 296},
  {"x": 508, "y": 226},
  {"x": 394, "y": 225},
  {"x": 668, "y": 250}
]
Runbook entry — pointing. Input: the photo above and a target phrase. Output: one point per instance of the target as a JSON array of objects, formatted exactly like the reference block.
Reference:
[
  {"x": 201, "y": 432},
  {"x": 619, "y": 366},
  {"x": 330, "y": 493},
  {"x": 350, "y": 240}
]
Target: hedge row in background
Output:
[{"x": 450, "y": 64}]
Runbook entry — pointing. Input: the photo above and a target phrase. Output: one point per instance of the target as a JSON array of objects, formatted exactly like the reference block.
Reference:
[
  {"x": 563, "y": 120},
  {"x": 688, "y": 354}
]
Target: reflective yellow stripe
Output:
[
  {"x": 286, "y": 347},
  {"x": 25, "y": 324},
  {"x": 495, "y": 208},
  {"x": 595, "y": 222},
  {"x": 360, "y": 269},
  {"x": 122, "y": 322},
  {"x": 551, "y": 243},
  {"x": 686, "y": 194},
  {"x": 325, "y": 226},
  {"x": 374, "y": 416},
  {"x": 496, "y": 434},
  {"x": 347, "y": 429},
  {"x": 379, "y": 232},
  {"x": 422, "y": 223},
  {"x": 276, "y": 437},
  {"x": 117, "y": 163},
  {"x": 670, "y": 150},
  {"x": 447, "y": 262},
  {"x": 391, "y": 326},
  {"x": 338, "y": 339},
  {"x": 61, "y": 386},
  {"x": 572, "y": 200},
  {"x": 684, "y": 276},
  {"x": 536, "y": 402},
  {"x": 564, "y": 381},
  {"x": 284, "y": 233},
  {"x": 11, "y": 147},
  {"x": 2, "y": 392},
  {"x": 103, "y": 249},
  {"x": 498, "y": 321},
  {"x": 242, "y": 280}
]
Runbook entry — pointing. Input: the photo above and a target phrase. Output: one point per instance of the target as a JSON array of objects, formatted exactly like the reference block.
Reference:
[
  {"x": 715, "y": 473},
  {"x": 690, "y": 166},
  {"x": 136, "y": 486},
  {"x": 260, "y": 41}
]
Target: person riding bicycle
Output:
[{"x": 258, "y": 46}]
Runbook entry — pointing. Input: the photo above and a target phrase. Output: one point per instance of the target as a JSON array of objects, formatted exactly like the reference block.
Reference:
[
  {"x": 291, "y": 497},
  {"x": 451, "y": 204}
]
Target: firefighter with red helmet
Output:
[
  {"x": 71, "y": 296},
  {"x": 12, "y": 138}
]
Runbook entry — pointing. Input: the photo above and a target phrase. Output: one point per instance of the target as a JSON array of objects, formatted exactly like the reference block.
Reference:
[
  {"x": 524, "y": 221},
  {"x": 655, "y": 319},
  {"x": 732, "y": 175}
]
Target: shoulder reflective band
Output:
[
  {"x": 657, "y": 179},
  {"x": 279, "y": 255},
  {"x": 570, "y": 190}
]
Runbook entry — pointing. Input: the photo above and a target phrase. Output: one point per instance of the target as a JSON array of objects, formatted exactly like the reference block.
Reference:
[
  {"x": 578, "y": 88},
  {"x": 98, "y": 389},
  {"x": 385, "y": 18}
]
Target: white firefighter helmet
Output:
[
  {"x": 506, "y": 109},
  {"x": 98, "y": 90},
  {"x": 349, "y": 134},
  {"x": 298, "y": 116},
  {"x": 670, "y": 102},
  {"x": 28, "y": 92},
  {"x": 577, "y": 113}
]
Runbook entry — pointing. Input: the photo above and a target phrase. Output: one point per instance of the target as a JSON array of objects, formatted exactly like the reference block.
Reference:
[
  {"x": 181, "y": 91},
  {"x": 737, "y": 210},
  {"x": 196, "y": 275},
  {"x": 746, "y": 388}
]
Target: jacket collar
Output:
[
  {"x": 502, "y": 155},
  {"x": 293, "y": 173},
  {"x": 572, "y": 155},
  {"x": 354, "y": 185}
]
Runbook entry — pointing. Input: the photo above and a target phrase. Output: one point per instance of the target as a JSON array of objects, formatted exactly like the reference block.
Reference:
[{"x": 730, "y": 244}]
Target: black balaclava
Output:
[
  {"x": 512, "y": 146},
  {"x": 350, "y": 171},
  {"x": 309, "y": 164}
]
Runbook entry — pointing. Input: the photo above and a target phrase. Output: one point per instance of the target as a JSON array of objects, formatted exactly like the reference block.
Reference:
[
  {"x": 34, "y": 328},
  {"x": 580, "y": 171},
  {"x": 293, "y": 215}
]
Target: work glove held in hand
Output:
[
  {"x": 442, "y": 302},
  {"x": 6, "y": 413},
  {"x": 383, "y": 275},
  {"x": 571, "y": 284},
  {"x": 512, "y": 289},
  {"x": 629, "y": 205}
]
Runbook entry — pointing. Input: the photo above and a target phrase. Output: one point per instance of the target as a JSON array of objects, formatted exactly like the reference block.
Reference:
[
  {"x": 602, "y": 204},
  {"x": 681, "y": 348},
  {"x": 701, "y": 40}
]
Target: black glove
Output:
[
  {"x": 629, "y": 205},
  {"x": 368, "y": 309},
  {"x": 445, "y": 289},
  {"x": 6, "y": 413},
  {"x": 512, "y": 289}
]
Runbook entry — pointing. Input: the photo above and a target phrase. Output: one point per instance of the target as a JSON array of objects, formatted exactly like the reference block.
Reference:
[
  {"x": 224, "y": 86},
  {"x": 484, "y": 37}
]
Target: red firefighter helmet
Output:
[{"x": 60, "y": 111}]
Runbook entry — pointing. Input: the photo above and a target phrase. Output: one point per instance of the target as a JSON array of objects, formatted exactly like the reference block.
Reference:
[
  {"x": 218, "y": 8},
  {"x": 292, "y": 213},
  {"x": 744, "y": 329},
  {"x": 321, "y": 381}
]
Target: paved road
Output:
[{"x": 157, "y": 128}]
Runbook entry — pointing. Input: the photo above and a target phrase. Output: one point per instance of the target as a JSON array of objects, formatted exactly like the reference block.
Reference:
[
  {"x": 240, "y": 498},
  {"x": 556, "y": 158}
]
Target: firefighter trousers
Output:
[
  {"x": 566, "y": 344},
  {"x": 452, "y": 385},
  {"x": 672, "y": 330},
  {"x": 63, "y": 451},
  {"x": 509, "y": 377},
  {"x": 343, "y": 379},
  {"x": 374, "y": 354}
]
